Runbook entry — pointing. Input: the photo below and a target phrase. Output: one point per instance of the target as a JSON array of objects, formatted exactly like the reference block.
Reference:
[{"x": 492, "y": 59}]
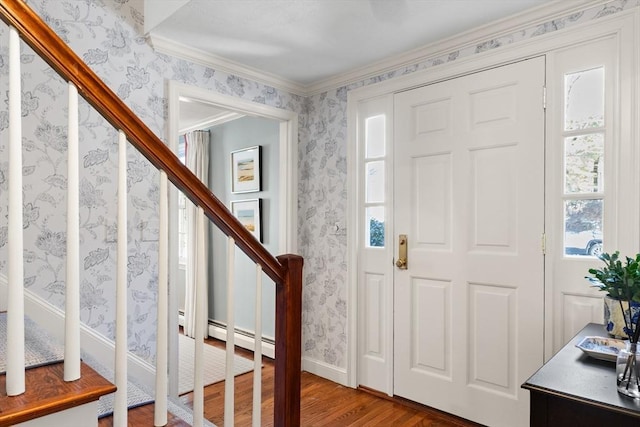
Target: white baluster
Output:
[
  {"x": 120, "y": 401},
  {"x": 15, "y": 295},
  {"x": 229, "y": 403},
  {"x": 201, "y": 287},
  {"x": 257, "y": 353},
  {"x": 160, "y": 416},
  {"x": 72, "y": 294}
]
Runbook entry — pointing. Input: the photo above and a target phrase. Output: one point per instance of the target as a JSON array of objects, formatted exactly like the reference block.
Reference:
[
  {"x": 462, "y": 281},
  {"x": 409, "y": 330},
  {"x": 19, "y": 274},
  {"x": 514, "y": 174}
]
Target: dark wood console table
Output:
[{"x": 573, "y": 389}]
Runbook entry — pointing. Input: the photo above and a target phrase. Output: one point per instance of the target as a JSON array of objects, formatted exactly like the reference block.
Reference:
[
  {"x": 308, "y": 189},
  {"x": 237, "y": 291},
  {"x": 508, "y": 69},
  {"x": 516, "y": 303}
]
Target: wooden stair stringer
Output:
[{"x": 47, "y": 393}]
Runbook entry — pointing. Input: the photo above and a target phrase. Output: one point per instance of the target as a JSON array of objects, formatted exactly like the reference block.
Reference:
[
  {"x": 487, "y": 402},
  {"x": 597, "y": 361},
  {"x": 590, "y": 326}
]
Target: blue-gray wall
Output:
[{"x": 242, "y": 133}]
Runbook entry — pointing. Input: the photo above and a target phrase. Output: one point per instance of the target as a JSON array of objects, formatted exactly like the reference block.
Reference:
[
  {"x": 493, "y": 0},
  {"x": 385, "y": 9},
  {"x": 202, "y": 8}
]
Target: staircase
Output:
[
  {"x": 50, "y": 401},
  {"x": 44, "y": 396}
]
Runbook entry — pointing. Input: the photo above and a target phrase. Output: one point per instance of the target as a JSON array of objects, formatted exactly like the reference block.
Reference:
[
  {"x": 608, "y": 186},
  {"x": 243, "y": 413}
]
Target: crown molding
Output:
[
  {"x": 218, "y": 63},
  {"x": 212, "y": 121},
  {"x": 496, "y": 29},
  {"x": 529, "y": 18}
]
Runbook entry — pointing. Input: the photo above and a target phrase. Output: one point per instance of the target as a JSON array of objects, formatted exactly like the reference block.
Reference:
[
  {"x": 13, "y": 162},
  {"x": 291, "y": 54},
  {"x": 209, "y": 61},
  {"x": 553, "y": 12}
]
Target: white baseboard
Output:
[
  {"x": 324, "y": 370},
  {"x": 241, "y": 340},
  {"x": 316, "y": 367},
  {"x": 102, "y": 349}
]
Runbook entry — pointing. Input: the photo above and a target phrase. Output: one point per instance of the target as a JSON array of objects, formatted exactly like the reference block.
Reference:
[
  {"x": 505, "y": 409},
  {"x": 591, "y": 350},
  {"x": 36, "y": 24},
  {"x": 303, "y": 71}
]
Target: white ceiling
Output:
[{"x": 306, "y": 41}]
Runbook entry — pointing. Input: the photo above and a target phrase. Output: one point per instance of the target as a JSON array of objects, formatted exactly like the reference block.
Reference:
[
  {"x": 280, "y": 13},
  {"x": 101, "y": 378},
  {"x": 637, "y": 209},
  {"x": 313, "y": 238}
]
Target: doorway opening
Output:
[{"x": 192, "y": 108}]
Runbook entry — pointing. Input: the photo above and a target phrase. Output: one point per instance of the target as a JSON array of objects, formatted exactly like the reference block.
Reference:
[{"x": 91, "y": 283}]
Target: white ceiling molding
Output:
[
  {"x": 169, "y": 47},
  {"x": 496, "y": 29},
  {"x": 212, "y": 121},
  {"x": 502, "y": 27}
]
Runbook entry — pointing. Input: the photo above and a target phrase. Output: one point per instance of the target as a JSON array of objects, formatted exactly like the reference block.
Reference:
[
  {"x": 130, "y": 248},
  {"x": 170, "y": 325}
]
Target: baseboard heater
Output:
[{"x": 243, "y": 338}]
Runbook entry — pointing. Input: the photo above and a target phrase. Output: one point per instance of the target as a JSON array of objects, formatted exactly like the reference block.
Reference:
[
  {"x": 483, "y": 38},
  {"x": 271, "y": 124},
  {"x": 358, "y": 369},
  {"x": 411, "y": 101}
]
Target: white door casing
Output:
[
  {"x": 469, "y": 193},
  {"x": 288, "y": 182}
]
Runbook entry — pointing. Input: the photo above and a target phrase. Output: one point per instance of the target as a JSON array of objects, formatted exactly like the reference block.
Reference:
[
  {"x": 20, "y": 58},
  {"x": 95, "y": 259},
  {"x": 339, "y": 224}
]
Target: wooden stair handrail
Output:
[
  {"x": 44, "y": 41},
  {"x": 286, "y": 271}
]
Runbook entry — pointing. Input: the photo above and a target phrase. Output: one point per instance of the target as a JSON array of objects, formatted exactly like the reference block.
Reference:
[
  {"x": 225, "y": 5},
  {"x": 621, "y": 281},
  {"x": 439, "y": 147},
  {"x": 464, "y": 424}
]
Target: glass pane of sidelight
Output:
[
  {"x": 375, "y": 182},
  {"x": 584, "y": 164},
  {"x": 374, "y": 234},
  {"x": 374, "y": 136},
  {"x": 583, "y": 227},
  {"x": 584, "y": 99}
]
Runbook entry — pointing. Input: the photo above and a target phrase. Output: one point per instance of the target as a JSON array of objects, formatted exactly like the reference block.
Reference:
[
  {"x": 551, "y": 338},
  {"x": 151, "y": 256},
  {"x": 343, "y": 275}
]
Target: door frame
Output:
[
  {"x": 622, "y": 25},
  {"x": 288, "y": 181}
]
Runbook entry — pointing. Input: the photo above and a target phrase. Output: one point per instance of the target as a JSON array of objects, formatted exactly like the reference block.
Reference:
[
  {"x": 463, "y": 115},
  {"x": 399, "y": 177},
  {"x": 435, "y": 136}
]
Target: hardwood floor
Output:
[{"x": 324, "y": 403}]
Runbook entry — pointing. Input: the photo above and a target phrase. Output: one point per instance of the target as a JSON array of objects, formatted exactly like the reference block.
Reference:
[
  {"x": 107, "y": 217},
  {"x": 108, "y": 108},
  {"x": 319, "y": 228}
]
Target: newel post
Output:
[{"x": 288, "y": 343}]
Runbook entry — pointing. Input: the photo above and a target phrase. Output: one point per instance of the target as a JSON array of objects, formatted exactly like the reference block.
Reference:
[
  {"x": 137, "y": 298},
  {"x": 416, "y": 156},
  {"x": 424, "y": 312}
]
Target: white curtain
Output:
[{"x": 197, "y": 160}]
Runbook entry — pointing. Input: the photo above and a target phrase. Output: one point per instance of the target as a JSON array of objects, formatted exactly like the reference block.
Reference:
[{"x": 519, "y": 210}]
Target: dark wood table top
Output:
[{"x": 573, "y": 375}]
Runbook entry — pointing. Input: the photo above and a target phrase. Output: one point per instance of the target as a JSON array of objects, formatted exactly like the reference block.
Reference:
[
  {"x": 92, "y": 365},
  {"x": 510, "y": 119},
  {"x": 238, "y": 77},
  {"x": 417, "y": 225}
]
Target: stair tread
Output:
[{"x": 47, "y": 393}]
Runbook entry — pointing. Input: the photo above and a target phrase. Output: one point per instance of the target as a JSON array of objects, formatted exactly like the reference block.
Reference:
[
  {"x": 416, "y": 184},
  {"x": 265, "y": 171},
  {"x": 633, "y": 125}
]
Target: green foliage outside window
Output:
[{"x": 376, "y": 233}]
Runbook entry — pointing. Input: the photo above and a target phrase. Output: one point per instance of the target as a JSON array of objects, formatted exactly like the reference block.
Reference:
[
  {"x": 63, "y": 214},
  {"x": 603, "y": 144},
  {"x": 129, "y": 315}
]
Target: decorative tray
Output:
[{"x": 601, "y": 348}]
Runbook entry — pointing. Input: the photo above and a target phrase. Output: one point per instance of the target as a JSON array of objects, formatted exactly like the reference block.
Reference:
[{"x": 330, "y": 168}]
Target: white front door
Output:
[{"x": 469, "y": 194}]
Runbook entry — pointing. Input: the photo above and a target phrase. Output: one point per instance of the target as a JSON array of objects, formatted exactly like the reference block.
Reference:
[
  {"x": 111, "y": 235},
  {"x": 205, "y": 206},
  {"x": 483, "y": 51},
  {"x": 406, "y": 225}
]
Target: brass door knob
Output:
[{"x": 401, "y": 263}]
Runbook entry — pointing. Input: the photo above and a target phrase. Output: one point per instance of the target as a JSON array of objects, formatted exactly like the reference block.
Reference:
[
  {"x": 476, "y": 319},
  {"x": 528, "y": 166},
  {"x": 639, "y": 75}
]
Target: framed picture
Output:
[
  {"x": 245, "y": 170},
  {"x": 248, "y": 213}
]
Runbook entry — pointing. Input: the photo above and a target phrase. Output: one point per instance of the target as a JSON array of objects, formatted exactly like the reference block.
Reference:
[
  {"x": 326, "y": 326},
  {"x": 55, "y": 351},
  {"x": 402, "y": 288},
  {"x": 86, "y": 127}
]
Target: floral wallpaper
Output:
[
  {"x": 108, "y": 35},
  {"x": 323, "y": 192}
]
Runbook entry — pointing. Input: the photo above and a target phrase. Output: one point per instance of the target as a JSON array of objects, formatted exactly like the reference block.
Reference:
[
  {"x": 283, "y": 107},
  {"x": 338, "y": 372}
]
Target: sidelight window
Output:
[
  {"x": 375, "y": 180},
  {"x": 584, "y": 162}
]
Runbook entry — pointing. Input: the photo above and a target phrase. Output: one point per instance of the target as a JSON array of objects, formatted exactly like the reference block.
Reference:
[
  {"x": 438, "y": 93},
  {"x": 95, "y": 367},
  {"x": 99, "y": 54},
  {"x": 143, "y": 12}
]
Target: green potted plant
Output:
[{"x": 621, "y": 281}]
